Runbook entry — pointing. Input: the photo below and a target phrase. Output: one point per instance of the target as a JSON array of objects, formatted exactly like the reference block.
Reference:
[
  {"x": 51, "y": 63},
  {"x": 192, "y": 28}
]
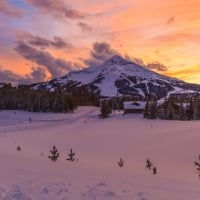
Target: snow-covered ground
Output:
[{"x": 29, "y": 174}]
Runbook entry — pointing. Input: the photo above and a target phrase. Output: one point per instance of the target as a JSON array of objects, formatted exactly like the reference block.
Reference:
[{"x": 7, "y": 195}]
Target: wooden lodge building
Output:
[{"x": 134, "y": 107}]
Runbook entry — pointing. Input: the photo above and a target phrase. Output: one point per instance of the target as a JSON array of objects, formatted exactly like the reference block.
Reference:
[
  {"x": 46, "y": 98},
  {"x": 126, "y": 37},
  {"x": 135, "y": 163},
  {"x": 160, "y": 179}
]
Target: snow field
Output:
[{"x": 172, "y": 146}]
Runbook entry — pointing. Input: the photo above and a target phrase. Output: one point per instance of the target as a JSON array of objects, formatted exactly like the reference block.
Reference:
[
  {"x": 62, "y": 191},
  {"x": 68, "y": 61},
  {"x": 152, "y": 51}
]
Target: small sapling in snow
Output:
[
  {"x": 154, "y": 170},
  {"x": 149, "y": 164},
  {"x": 54, "y": 154},
  {"x": 19, "y": 148},
  {"x": 197, "y": 164},
  {"x": 71, "y": 155},
  {"x": 121, "y": 162}
]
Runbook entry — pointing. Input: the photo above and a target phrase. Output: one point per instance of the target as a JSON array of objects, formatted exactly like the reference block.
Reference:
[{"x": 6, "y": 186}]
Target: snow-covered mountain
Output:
[{"x": 119, "y": 76}]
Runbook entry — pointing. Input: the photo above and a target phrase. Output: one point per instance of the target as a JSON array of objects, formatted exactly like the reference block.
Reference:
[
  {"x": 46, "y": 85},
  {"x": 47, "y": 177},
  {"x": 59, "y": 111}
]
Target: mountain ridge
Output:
[{"x": 118, "y": 76}]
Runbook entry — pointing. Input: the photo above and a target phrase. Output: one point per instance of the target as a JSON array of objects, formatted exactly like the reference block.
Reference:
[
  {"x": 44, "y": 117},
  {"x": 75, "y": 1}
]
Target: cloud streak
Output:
[
  {"x": 57, "y": 42},
  {"x": 85, "y": 27},
  {"x": 41, "y": 42}
]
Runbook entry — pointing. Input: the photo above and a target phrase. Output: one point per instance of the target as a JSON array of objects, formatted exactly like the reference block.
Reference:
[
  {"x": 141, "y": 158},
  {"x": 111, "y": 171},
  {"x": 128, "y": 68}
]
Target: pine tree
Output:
[
  {"x": 197, "y": 164},
  {"x": 121, "y": 162},
  {"x": 154, "y": 170},
  {"x": 153, "y": 110},
  {"x": 106, "y": 110},
  {"x": 147, "y": 110},
  {"x": 182, "y": 112},
  {"x": 192, "y": 110},
  {"x": 19, "y": 148},
  {"x": 54, "y": 154},
  {"x": 170, "y": 110},
  {"x": 71, "y": 155},
  {"x": 148, "y": 164},
  {"x": 198, "y": 109}
]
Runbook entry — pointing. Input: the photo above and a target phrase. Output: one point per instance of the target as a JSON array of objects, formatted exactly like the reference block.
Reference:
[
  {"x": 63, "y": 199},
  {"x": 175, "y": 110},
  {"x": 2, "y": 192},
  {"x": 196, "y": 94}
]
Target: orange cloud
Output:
[
  {"x": 183, "y": 73},
  {"x": 156, "y": 31}
]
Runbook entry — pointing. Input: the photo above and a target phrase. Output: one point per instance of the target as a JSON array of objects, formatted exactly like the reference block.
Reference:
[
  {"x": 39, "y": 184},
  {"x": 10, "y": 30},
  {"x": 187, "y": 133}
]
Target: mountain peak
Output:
[{"x": 116, "y": 59}]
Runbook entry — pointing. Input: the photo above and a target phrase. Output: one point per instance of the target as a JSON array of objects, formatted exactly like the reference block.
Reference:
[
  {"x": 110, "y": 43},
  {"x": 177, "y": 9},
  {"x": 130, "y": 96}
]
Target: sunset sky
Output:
[{"x": 44, "y": 39}]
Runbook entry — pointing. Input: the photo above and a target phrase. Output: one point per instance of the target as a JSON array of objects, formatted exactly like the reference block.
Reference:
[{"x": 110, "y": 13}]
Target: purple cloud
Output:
[
  {"x": 58, "y": 8},
  {"x": 57, "y": 42},
  {"x": 138, "y": 61},
  {"x": 8, "y": 9},
  {"x": 56, "y": 67},
  {"x": 103, "y": 51},
  {"x": 37, "y": 75},
  {"x": 152, "y": 66},
  {"x": 157, "y": 66},
  {"x": 85, "y": 27},
  {"x": 100, "y": 53}
]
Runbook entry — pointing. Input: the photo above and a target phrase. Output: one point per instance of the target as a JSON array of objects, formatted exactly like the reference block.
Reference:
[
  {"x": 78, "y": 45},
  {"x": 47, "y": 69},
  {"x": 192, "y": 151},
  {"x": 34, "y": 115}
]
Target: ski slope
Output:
[{"x": 29, "y": 174}]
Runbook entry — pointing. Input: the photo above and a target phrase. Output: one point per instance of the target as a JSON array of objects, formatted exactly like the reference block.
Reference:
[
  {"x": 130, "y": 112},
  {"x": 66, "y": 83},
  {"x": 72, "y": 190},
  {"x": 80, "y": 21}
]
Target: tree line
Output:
[
  {"x": 172, "y": 109},
  {"x": 25, "y": 98}
]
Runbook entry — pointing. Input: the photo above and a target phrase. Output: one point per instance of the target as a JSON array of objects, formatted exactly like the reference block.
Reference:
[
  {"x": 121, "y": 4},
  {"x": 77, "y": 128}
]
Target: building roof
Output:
[{"x": 134, "y": 104}]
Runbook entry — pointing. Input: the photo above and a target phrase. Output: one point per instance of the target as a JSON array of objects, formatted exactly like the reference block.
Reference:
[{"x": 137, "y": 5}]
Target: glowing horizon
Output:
[{"x": 46, "y": 39}]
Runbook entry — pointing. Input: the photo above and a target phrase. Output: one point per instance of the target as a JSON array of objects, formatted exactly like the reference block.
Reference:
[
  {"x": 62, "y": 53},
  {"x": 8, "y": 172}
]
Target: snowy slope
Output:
[
  {"x": 118, "y": 76},
  {"x": 98, "y": 143}
]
